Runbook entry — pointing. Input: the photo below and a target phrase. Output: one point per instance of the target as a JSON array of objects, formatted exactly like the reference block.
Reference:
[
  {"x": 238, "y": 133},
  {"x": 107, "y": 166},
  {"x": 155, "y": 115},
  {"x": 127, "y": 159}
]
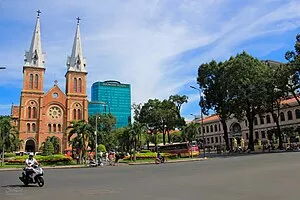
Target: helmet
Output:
[{"x": 31, "y": 154}]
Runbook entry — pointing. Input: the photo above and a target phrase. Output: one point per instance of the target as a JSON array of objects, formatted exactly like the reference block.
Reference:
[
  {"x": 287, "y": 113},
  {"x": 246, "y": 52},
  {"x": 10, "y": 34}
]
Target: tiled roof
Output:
[{"x": 215, "y": 117}]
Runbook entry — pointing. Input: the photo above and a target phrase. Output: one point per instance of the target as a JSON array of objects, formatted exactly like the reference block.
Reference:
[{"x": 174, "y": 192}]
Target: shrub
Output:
[
  {"x": 9, "y": 155},
  {"x": 48, "y": 148},
  {"x": 145, "y": 151},
  {"x": 52, "y": 159},
  {"x": 101, "y": 148}
]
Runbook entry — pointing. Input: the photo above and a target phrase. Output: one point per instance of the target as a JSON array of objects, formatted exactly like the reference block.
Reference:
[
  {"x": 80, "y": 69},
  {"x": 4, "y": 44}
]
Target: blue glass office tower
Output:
[{"x": 112, "y": 97}]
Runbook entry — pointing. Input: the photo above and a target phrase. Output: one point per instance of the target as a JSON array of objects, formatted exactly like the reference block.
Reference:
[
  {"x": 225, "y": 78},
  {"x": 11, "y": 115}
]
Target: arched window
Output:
[
  {"x": 207, "y": 129},
  {"x": 297, "y": 112},
  {"x": 268, "y": 119},
  {"x": 75, "y": 84},
  {"x": 282, "y": 117},
  {"x": 49, "y": 128},
  {"x": 262, "y": 121},
  {"x": 59, "y": 128},
  {"x": 31, "y": 81},
  {"x": 203, "y": 129},
  {"x": 74, "y": 114},
  {"x": 255, "y": 121},
  {"x": 211, "y": 128},
  {"x": 290, "y": 115},
  {"x": 33, "y": 127},
  {"x": 54, "y": 127},
  {"x": 36, "y": 81},
  {"x": 79, "y": 85},
  {"x": 29, "y": 112},
  {"x": 79, "y": 114},
  {"x": 34, "y": 112},
  {"x": 28, "y": 127}
]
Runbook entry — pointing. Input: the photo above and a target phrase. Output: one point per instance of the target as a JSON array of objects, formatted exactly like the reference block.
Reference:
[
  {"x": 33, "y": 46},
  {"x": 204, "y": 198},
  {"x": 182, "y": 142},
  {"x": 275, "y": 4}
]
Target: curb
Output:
[{"x": 171, "y": 161}]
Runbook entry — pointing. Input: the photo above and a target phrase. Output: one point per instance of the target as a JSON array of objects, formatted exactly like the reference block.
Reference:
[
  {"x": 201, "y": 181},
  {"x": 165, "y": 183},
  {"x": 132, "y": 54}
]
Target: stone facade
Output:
[
  {"x": 289, "y": 117},
  {"x": 41, "y": 115}
]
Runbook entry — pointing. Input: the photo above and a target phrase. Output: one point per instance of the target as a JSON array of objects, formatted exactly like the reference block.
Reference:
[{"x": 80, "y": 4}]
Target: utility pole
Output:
[
  {"x": 201, "y": 115},
  {"x": 96, "y": 138}
]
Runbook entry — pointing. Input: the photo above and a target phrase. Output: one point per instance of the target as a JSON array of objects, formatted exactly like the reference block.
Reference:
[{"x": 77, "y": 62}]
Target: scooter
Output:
[
  {"x": 93, "y": 163},
  {"x": 34, "y": 175}
]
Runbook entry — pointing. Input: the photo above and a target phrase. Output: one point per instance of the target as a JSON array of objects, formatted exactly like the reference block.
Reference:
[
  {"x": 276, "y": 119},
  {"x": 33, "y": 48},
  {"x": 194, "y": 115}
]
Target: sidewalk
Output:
[{"x": 170, "y": 161}]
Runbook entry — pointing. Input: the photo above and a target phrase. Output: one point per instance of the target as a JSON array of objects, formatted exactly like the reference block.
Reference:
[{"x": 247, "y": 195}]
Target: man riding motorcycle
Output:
[{"x": 29, "y": 162}]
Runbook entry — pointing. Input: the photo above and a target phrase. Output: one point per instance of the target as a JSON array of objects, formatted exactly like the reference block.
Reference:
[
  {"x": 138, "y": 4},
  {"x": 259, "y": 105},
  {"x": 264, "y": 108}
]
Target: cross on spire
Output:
[
  {"x": 78, "y": 19},
  {"x": 38, "y": 13},
  {"x": 55, "y": 82}
]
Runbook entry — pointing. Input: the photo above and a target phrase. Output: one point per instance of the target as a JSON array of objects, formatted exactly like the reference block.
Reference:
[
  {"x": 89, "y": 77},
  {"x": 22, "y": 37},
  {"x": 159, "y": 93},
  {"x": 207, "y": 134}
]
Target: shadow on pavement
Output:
[{"x": 19, "y": 185}]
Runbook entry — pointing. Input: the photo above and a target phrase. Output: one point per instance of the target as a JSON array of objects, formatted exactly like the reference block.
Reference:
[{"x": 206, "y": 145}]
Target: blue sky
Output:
[{"x": 156, "y": 45}]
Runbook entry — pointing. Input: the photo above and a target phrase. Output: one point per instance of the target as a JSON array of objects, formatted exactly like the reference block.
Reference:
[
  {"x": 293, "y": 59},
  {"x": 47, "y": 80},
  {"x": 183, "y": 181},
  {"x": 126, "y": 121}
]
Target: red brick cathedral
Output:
[{"x": 43, "y": 114}]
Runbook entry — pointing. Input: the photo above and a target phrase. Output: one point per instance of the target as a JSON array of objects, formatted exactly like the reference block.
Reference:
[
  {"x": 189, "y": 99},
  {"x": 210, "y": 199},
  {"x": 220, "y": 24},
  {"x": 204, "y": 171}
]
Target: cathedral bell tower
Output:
[
  {"x": 33, "y": 85},
  {"x": 76, "y": 75}
]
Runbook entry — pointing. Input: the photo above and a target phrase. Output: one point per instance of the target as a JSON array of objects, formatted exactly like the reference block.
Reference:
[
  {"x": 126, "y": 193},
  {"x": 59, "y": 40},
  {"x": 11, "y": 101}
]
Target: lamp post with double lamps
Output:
[{"x": 201, "y": 116}]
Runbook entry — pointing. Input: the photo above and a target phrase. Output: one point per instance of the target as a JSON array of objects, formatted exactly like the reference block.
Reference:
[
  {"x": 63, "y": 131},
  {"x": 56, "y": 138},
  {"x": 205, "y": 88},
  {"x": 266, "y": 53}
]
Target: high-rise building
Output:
[
  {"x": 48, "y": 114},
  {"x": 112, "y": 97}
]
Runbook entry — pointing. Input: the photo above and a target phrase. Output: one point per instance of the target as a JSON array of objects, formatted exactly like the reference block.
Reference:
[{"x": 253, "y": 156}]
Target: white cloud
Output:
[{"x": 142, "y": 42}]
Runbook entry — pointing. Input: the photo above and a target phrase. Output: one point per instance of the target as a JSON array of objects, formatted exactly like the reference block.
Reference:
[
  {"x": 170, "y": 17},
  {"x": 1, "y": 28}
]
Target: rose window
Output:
[{"x": 55, "y": 112}]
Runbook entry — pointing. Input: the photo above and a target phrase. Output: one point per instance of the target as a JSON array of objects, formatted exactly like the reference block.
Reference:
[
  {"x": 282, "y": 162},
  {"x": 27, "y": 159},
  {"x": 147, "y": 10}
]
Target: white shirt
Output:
[{"x": 31, "y": 161}]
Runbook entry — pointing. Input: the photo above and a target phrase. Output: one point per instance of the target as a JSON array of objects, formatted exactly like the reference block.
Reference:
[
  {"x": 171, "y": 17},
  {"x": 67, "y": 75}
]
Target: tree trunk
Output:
[
  {"x": 251, "y": 141},
  {"x": 169, "y": 138},
  {"x": 276, "y": 120},
  {"x": 250, "y": 116},
  {"x": 223, "y": 121},
  {"x": 164, "y": 137}
]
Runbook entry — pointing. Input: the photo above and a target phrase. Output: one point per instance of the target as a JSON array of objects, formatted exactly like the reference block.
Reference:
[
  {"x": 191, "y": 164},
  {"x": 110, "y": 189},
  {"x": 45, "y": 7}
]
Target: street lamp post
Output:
[
  {"x": 96, "y": 138},
  {"x": 201, "y": 124},
  {"x": 96, "y": 131}
]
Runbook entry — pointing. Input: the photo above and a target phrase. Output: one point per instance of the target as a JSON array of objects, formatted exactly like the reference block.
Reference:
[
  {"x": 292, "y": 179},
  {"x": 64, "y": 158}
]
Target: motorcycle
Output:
[
  {"x": 160, "y": 160},
  {"x": 33, "y": 175},
  {"x": 93, "y": 163}
]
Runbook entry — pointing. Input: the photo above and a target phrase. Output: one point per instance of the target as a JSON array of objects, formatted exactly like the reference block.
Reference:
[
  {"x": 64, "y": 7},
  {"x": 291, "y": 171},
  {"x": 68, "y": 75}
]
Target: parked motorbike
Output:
[
  {"x": 93, "y": 163},
  {"x": 33, "y": 175}
]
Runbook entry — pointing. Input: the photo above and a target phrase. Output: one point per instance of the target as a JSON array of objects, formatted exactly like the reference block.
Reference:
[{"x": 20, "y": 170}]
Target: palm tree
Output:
[{"x": 82, "y": 133}]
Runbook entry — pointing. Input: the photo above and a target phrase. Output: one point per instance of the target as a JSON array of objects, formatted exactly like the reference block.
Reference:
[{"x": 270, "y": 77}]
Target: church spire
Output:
[
  {"x": 35, "y": 57},
  {"x": 76, "y": 62}
]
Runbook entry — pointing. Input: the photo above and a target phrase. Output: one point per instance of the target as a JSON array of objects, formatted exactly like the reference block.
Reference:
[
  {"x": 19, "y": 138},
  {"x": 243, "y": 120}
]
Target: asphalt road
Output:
[{"x": 268, "y": 176}]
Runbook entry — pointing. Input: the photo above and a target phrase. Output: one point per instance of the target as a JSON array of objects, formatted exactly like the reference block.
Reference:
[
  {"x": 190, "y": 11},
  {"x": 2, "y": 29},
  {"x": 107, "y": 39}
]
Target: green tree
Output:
[
  {"x": 190, "y": 132},
  {"x": 247, "y": 89},
  {"x": 293, "y": 66},
  {"x": 106, "y": 125},
  {"x": 55, "y": 142},
  {"x": 214, "y": 81},
  {"x": 277, "y": 89},
  {"x": 101, "y": 148},
  {"x": 48, "y": 148},
  {"x": 79, "y": 135},
  {"x": 9, "y": 135},
  {"x": 160, "y": 116}
]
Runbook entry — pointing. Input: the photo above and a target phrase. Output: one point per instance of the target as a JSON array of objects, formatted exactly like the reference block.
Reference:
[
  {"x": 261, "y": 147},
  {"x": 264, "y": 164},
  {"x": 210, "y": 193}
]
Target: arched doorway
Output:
[{"x": 30, "y": 145}]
